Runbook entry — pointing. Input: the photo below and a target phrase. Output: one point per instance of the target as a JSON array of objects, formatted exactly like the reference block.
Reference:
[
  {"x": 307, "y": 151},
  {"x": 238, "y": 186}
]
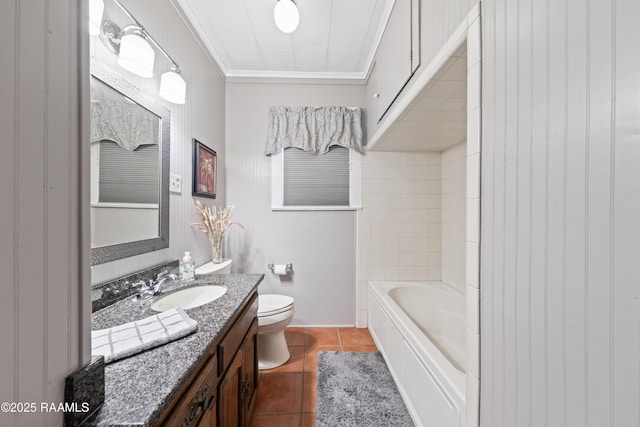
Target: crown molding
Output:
[
  {"x": 266, "y": 76},
  {"x": 193, "y": 23}
]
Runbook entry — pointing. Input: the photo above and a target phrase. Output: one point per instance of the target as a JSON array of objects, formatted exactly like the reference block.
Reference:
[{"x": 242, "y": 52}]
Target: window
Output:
[
  {"x": 128, "y": 176},
  {"x": 302, "y": 180}
]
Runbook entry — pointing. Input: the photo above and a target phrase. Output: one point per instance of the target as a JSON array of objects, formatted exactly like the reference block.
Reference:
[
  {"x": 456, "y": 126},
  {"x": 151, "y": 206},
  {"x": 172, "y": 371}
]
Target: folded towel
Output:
[{"x": 135, "y": 337}]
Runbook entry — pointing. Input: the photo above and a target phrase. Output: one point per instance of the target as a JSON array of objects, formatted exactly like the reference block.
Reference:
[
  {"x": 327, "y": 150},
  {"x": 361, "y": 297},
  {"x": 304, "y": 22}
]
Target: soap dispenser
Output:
[{"x": 187, "y": 268}]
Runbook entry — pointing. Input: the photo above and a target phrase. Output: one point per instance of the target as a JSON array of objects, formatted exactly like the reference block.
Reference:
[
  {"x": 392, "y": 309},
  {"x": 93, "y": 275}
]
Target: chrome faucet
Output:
[
  {"x": 156, "y": 284},
  {"x": 147, "y": 291}
]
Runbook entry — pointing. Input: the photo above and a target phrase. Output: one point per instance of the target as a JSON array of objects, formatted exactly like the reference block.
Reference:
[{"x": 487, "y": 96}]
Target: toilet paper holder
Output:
[{"x": 289, "y": 267}]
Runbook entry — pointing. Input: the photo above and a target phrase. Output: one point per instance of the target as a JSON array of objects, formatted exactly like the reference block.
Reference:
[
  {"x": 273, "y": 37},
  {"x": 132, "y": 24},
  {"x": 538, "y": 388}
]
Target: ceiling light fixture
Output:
[
  {"x": 134, "y": 47},
  {"x": 286, "y": 16}
]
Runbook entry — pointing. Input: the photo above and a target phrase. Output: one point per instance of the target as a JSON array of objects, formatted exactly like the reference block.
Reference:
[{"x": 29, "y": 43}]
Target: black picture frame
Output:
[{"x": 205, "y": 168}]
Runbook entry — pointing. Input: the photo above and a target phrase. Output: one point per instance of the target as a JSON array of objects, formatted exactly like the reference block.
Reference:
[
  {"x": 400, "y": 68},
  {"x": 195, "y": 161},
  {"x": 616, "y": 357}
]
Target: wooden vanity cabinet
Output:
[
  {"x": 197, "y": 406},
  {"x": 223, "y": 391},
  {"x": 238, "y": 386},
  {"x": 250, "y": 370}
]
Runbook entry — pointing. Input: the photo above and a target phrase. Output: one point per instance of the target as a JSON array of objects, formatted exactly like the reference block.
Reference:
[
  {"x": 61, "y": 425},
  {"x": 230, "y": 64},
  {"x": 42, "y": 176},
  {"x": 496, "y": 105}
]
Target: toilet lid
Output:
[{"x": 270, "y": 304}]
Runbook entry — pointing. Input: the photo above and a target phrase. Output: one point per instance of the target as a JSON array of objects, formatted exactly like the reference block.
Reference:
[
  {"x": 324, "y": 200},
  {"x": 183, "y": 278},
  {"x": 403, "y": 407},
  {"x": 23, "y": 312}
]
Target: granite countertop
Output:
[{"x": 138, "y": 388}]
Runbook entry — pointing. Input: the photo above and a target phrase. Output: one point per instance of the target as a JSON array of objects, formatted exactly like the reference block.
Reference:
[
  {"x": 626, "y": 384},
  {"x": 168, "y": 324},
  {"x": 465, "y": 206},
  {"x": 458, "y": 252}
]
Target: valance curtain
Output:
[
  {"x": 126, "y": 124},
  {"x": 314, "y": 129}
]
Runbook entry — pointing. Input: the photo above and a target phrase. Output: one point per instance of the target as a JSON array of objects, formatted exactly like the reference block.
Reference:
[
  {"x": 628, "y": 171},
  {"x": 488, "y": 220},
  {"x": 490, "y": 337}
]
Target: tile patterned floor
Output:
[{"x": 287, "y": 394}]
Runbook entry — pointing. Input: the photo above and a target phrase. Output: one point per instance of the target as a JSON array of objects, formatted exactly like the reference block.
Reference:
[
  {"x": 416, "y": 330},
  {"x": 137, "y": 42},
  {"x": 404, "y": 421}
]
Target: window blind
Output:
[
  {"x": 316, "y": 180},
  {"x": 128, "y": 176}
]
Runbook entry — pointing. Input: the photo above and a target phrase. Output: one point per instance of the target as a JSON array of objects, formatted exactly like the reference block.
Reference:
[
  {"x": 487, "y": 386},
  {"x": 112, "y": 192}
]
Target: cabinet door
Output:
[
  {"x": 196, "y": 407},
  {"x": 210, "y": 416},
  {"x": 229, "y": 397},
  {"x": 250, "y": 370},
  {"x": 415, "y": 35},
  {"x": 393, "y": 66}
]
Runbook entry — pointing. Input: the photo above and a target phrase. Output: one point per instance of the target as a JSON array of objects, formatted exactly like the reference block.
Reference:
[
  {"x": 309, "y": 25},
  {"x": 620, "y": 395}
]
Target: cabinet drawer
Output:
[
  {"x": 231, "y": 342},
  {"x": 199, "y": 400}
]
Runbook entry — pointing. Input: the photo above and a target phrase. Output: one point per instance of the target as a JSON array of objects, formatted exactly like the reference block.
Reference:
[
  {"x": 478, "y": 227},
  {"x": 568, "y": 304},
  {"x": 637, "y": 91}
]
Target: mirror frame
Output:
[{"x": 104, "y": 254}]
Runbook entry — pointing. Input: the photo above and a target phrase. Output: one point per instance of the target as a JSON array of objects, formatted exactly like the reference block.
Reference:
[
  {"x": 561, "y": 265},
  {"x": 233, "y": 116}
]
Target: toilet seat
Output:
[{"x": 272, "y": 304}]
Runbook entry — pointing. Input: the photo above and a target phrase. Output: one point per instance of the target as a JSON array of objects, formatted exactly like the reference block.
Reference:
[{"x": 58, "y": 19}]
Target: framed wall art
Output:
[{"x": 204, "y": 170}]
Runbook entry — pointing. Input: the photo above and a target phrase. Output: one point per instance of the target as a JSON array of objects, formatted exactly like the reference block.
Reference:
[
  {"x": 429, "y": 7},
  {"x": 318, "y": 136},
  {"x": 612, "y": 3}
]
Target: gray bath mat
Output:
[{"x": 357, "y": 390}]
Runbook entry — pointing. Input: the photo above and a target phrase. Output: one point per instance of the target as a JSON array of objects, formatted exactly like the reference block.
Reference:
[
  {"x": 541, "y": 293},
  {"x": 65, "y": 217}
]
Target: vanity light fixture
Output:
[
  {"x": 134, "y": 47},
  {"x": 286, "y": 16},
  {"x": 173, "y": 87},
  {"x": 136, "y": 55},
  {"x": 96, "y": 8}
]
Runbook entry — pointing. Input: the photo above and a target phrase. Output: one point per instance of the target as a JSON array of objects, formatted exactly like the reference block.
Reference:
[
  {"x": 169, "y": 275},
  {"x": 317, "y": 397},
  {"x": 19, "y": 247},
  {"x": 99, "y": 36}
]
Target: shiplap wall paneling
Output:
[
  {"x": 319, "y": 244},
  {"x": 201, "y": 117},
  {"x": 560, "y": 317},
  {"x": 41, "y": 309},
  {"x": 625, "y": 202}
]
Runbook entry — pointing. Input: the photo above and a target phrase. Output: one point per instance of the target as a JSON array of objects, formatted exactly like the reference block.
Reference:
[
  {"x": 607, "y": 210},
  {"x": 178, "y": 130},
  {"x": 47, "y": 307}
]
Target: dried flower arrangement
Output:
[{"x": 215, "y": 222}]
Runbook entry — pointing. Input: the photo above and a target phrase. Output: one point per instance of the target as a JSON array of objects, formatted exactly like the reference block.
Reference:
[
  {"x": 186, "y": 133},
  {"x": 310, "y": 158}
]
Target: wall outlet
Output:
[{"x": 175, "y": 183}]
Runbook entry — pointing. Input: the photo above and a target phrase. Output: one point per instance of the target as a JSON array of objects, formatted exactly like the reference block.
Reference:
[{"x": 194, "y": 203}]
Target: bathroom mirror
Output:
[{"x": 129, "y": 169}]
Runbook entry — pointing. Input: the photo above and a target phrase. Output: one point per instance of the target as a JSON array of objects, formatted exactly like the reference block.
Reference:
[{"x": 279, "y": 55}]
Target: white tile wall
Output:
[
  {"x": 400, "y": 225},
  {"x": 413, "y": 222},
  {"x": 473, "y": 395},
  {"x": 473, "y": 220},
  {"x": 454, "y": 182}
]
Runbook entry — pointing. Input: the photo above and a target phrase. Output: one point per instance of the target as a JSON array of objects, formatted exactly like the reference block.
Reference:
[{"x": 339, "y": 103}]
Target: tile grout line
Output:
[
  {"x": 304, "y": 361},
  {"x": 304, "y": 370}
]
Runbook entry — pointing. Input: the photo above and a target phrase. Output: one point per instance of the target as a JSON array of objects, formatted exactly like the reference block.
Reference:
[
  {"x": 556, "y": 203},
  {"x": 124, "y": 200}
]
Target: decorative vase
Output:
[{"x": 216, "y": 250}]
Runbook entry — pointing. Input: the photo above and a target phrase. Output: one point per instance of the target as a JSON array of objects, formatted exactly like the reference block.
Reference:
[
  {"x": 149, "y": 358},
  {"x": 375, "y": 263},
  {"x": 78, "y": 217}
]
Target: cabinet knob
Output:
[{"x": 376, "y": 95}]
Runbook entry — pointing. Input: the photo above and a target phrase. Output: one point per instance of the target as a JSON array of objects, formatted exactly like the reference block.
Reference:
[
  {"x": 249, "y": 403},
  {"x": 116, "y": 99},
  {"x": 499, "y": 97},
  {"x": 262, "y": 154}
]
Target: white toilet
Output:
[
  {"x": 274, "y": 314},
  {"x": 223, "y": 267}
]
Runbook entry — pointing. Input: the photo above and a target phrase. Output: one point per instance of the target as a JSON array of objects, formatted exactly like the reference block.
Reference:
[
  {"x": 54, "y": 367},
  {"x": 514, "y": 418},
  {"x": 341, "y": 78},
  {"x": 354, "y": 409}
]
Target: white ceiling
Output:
[{"x": 335, "y": 38}]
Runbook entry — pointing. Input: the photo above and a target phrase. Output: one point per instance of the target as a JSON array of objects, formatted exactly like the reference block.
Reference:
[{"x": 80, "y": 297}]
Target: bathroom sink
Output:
[{"x": 188, "y": 298}]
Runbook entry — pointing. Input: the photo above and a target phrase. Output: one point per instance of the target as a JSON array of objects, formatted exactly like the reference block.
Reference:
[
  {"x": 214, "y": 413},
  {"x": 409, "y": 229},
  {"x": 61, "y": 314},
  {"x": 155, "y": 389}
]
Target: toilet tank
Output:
[{"x": 210, "y": 268}]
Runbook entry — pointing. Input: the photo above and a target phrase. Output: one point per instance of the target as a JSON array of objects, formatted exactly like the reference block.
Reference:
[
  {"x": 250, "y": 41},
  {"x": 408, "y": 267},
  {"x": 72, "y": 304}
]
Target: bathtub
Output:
[{"x": 420, "y": 329}]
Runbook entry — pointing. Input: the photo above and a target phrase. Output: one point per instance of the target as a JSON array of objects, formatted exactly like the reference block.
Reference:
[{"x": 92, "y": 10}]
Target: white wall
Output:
[
  {"x": 400, "y": 224},
  {"x": 560, "y": 315},
  {"x": 44, "y": 257},
  {"x": 472, "y": 255},
  {"x": 201, "y": 117},
  {"x": 454, "y": 239},
  {"x": 321, "y": 245}
]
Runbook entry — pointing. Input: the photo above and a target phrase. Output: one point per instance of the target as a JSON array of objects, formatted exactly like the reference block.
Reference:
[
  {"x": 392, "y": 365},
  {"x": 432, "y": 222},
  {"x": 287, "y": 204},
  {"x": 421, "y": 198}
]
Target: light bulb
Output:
[
  {"x": 286, "y": 16},
  {"x": 136, "y": 55},
  {"x": 173, "y": 87}
]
